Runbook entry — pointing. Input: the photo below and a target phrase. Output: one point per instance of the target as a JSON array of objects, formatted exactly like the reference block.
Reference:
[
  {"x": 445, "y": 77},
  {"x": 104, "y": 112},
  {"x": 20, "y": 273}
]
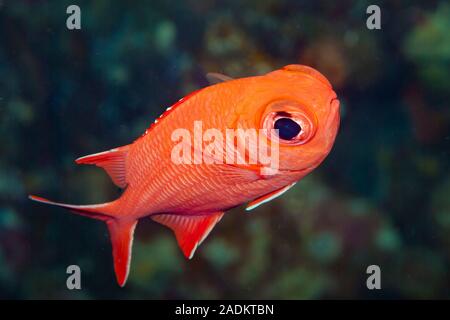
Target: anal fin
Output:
[{"x": 189, "y": 230}]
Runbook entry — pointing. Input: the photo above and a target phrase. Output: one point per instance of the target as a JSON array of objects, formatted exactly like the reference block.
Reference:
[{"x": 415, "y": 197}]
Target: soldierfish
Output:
[{"x": 296, "y": 103}]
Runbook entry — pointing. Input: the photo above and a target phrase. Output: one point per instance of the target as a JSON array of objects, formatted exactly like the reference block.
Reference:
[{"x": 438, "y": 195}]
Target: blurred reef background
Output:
[{"x": 381, "y": 197}]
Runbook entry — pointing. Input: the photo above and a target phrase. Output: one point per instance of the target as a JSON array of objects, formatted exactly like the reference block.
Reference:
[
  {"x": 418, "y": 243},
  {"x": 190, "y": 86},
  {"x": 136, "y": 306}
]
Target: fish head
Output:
[{"x": 298, "y": 112}]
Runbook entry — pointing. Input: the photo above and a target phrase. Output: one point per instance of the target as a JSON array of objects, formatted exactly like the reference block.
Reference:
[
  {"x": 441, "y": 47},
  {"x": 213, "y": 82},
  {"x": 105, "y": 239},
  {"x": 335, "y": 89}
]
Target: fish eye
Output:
[
  {"x": 287, "y": 128},
  {"x": 289, "y": 123}
]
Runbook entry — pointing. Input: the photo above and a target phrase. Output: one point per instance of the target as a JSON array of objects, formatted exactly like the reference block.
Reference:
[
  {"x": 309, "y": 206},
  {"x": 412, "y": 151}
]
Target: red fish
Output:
[{"x": 295, "y": 113}]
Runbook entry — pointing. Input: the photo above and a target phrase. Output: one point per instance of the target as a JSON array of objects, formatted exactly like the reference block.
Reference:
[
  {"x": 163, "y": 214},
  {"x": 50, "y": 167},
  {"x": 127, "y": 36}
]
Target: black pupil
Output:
[{"x": 287, "y": 128}]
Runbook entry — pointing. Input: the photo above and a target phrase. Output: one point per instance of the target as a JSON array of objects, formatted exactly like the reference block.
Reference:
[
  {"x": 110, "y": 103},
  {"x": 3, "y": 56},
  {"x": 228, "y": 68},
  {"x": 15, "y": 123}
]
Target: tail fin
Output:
[
  {"x": 95, "y": 211},
  {"x": 120, "y": 231},
  {"x": 121, "y": 234}
]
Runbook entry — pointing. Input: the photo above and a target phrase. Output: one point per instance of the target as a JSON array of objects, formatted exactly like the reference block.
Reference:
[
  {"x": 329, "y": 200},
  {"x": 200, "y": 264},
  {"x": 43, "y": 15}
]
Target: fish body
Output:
[{"x": 191, "y": 196}]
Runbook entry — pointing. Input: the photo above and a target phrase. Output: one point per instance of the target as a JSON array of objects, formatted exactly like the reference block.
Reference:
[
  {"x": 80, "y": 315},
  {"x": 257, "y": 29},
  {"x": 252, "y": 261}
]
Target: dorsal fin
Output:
[
  {"x": 214, "y": 77},
  {"x": 190, "y": 231},
  {"x": 168, "y": 111},
  {"x": 267, "y": 197},
  {"x": 113, "y": 161}
]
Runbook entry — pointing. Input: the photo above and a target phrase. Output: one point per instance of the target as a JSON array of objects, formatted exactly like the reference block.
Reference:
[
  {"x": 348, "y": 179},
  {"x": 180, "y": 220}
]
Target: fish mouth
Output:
[{"x": 334, "y": 103}]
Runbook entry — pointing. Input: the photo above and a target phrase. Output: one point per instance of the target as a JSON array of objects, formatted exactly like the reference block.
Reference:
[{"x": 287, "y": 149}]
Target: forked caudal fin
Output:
[
  {"x": 95, "y": 211},
  {"x": 120, "y": 231},
  {"x": 121, "y": 234},
  {"x": 190, "y": 230}
]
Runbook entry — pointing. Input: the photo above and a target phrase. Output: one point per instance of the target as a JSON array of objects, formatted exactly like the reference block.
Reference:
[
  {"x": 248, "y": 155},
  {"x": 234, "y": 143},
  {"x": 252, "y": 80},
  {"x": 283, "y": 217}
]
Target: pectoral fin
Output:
[
  {"x": 267, "y": 197},
  {"x": 190, "y": 231}
]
